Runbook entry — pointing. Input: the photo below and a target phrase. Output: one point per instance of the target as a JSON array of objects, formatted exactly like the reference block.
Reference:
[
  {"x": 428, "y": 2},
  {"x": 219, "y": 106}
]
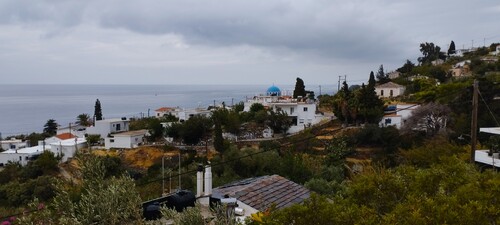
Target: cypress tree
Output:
[
  {"x": 300, "y": 88},
  {"x": 451, "y": 49},
  {"x": 97, "y": 110}
]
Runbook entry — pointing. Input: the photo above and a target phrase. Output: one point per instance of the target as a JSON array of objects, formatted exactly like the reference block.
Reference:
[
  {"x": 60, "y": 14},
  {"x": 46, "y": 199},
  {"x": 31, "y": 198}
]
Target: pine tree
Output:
[
  {"x": 381, "y": 76},
  {"x": 97, "y": 110}
]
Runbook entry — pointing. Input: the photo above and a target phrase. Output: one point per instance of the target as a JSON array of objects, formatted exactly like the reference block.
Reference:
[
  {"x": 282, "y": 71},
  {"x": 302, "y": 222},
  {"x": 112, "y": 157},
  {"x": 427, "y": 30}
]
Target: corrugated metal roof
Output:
[{"x": 262, "y": 192}]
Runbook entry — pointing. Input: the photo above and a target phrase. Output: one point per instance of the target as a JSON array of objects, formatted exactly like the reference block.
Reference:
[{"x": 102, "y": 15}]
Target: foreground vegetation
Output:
[{"x": 407, "y": 176}]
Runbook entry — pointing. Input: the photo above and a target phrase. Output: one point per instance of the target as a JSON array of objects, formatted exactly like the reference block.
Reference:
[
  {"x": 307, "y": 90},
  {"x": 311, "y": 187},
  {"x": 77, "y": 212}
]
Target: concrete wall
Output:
[{"x": 66, "y": 149}]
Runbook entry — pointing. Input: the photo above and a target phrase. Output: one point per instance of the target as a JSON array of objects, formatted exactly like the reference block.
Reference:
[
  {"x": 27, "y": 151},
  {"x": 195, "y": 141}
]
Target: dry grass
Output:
[
  {"x": 326, "y": 137},
  {"x": 144, "y": 157}
]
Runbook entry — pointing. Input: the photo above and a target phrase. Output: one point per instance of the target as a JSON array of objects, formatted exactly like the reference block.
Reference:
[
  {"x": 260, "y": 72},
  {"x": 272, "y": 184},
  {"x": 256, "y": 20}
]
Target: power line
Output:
[
  {"x": 242, "y": 157},
  {"x": 213, "y": 165},
  {"x": 489, "y": 110}
]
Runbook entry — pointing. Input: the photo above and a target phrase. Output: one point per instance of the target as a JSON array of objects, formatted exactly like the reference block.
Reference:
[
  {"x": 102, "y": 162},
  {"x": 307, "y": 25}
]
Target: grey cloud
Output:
[{"x": 271, "y": 24}]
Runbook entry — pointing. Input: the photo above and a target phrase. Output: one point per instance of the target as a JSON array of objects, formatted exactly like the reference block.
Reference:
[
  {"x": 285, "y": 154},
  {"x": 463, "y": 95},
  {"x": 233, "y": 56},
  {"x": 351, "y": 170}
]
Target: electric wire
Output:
[
  {"x": 488, "y": 107},
  {"x": 213, "y": 165}
]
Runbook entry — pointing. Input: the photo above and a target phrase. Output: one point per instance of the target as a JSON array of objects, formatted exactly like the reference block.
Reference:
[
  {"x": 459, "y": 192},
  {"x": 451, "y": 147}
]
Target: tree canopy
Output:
[
  {"x": 83, "y": 119},
  {"x": 382, "y": 77},
  {"x": 50, "y": 127},
  {"x": 430, "y": 53}
]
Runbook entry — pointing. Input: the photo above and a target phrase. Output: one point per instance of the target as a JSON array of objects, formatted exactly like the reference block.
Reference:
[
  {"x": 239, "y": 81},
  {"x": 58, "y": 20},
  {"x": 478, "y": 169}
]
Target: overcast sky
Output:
[{"x": 228, "y": 41}]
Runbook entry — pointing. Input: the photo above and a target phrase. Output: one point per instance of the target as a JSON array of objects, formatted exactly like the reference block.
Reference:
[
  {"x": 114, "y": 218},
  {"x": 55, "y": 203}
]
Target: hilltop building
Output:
[
  {"x": 66, "y": 148},
  {"x": 302, "y": 112},
  {"x": 109, "y": 126},
  {"x": 128, "y": 139},
  {"x": 389, "y": 89},
  {"x": 181, "y": 114},
  {"x": 12, "y": 144},
  {"x": 116, "y": 134},
  {"x": 21, "y": 156},
  {"x": 398, "y": 115}
]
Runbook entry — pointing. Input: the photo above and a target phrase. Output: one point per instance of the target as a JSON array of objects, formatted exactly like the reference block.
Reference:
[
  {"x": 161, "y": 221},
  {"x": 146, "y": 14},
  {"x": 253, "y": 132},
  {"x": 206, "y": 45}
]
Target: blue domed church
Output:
[{"x": 273, "y": 91}]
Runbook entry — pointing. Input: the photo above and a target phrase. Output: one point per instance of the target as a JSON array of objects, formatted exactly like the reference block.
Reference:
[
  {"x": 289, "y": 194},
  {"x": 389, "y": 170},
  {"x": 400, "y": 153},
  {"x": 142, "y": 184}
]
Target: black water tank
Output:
[{"x": 180, "y": 200}]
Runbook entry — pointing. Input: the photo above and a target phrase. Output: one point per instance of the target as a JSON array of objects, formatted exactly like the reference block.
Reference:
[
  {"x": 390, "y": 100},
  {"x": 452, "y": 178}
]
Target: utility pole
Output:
[
  {"x": 163, "y": 175},
  {"x": 474, "y": 121},
  {"x": 179, "y": 169},
  {"x": 319, "y": 89}
]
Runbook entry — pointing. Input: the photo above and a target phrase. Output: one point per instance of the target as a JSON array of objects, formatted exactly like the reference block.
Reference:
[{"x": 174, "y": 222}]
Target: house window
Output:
[
  {"x": 278, "y": 109},
  {"x": 381, "y": 92},
  {"x": 388, "y": 121},
  {"x": 391, "y": 93},
  {"x": 112, "y": 140},
  {"x": 20, "y": 158},
  {"x": 301, "y": 121},
  {"x": 305, "y": 109},
  {"x": 291, "y": 111},
  {"x": 118, "y": 127},
  {"x": 26, "y": 157}
]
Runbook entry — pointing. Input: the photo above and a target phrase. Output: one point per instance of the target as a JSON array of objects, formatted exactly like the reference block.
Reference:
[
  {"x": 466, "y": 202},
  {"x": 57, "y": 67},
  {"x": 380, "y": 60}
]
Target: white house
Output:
[
  {"x": 389, "y": 89},
  {"x": 67, "y": 148},
  {"x": 109, "y": 126},
  {"x": 174, "y": 111},
  {"x": 399, "y": 116},
  {"x": 77, "y": 130},
  {"x": 130, "y": 139},
  {"x": 23, "y": 156},
  {"x": 484, "y": 156},
  {"x": 301, "y": 112},
  {"x": 60, "y": 137},
  {"x": 181, "y": 114},
  {"x": 12, "y": 144}
]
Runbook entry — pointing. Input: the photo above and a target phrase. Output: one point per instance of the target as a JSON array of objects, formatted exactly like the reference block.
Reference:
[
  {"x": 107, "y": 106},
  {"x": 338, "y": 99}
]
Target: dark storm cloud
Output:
[
  {"x": 224, "y": 37},
  {"x": 316, "y": 27}
]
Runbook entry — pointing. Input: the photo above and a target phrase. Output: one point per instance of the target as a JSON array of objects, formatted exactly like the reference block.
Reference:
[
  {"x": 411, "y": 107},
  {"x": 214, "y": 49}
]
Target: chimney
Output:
[
  {"x": 208, "y": 180},
  {"x": 199, "y": 181}
]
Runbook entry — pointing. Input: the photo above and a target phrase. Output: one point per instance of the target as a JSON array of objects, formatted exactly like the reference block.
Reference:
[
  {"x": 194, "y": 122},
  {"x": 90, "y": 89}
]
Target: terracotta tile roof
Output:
[
  {"x": 389, "y": 85},
  {"x": 165, "y": 109},
  {"x": 65, "y": 136},
  {"x": 262, "y": 192}
]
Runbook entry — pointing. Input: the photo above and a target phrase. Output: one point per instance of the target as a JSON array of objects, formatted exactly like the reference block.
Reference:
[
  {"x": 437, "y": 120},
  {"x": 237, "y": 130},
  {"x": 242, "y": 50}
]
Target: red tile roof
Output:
[
  {"x": 65, "y": 136},
  {"x": 164, "y": 109}
]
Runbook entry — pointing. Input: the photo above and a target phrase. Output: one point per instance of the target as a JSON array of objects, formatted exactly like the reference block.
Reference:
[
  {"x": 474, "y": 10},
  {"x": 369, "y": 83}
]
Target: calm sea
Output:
[{"x": 26, "y": 108}]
